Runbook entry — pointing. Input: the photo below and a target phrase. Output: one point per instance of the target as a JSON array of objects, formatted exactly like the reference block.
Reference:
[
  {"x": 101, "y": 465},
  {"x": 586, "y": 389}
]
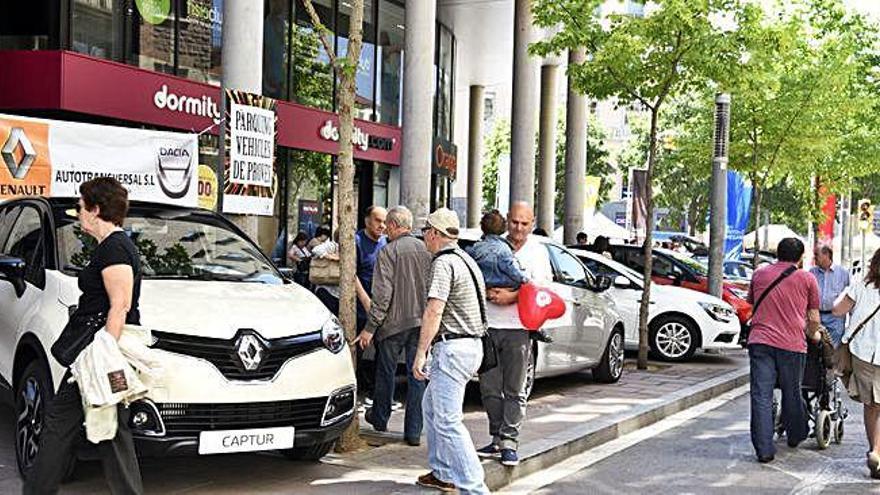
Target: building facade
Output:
[{"x": 158, "y": 64}]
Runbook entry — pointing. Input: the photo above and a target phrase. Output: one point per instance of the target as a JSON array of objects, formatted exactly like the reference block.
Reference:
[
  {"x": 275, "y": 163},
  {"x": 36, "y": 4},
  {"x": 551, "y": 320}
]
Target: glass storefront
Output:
[
  {"x": 28, "y": 26},
  {"x": 149, "y": 34},
  {"x": 200, "y": 37},
  {"x": 311, "y": 76},
  {"x": 365, "y": 80},
  {"x": 445, "y": 83},
  {"x": 390, "y": 66},
  {"x": 179, "y": 37}
]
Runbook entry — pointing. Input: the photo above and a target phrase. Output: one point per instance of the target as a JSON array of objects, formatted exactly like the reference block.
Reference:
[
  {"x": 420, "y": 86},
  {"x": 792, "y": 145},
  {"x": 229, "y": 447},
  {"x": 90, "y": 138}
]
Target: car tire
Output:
[
  {"x": 673, "y": 338},
  {"x": 310, "y": 453},
  {"x": 610, "y": 369},
  {"x": 33, "y": 391}
]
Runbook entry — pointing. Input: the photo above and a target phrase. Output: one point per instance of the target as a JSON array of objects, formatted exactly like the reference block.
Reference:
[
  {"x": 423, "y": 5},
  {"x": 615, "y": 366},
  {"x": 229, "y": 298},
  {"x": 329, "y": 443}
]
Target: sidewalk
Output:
[{"x": 566, "y": 415}]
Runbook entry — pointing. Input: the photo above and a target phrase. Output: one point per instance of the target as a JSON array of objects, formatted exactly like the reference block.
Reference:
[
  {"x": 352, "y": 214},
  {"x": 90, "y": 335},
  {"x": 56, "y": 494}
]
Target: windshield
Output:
[
  {"x": 696, "y": 266},
  {"x": 177, "y": 244}
]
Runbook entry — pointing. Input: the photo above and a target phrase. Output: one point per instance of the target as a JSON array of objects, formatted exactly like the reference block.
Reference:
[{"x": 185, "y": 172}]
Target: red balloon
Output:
[{"x": 537, "y": 305}]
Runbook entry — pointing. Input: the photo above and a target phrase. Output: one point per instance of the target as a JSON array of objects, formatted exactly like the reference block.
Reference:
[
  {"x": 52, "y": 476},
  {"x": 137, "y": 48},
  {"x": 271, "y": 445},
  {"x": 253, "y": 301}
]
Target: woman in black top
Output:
[{"x": 110, "y": 285}]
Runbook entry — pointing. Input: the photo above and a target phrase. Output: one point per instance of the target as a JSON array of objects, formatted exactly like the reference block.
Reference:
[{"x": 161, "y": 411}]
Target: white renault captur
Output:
[
  {"x": 680, "y": 321},
  {"x": 251, "y": 361}
]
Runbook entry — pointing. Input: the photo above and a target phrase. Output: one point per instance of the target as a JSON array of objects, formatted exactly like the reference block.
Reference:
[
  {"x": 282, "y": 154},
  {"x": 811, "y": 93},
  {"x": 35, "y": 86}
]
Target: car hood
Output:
[{"x": 219, "y": 309}]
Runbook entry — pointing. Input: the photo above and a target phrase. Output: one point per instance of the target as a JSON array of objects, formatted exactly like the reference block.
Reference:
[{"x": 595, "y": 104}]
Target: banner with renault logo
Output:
[{"x": 52, "y": 158}]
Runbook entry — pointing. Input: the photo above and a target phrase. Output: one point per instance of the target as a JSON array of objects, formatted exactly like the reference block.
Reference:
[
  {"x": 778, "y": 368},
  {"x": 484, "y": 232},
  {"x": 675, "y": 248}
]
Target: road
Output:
[{"x": 710, "y": 454}]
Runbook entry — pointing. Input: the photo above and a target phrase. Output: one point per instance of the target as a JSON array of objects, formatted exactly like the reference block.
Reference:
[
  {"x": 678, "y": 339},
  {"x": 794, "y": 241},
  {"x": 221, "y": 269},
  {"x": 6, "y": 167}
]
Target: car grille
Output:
[
  {"x": 223, "y": 354},
  {"x": 190, "y": 419}
]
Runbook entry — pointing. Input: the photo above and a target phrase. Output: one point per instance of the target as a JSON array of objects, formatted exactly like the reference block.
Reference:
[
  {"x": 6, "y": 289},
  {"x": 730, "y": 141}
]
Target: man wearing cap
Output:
[
  {"x": 503, "y": 388},
  {"x": 452, "y": 325}
]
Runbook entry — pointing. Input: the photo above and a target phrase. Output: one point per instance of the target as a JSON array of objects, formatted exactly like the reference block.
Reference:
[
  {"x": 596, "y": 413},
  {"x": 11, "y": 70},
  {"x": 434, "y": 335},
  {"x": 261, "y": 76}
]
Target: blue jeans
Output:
[
  {"x": 835, "y": 325},
  {"x": 451, "y": 452},
  {"x": 770, "y": 367},
  {"x": 387, "y": 352}
]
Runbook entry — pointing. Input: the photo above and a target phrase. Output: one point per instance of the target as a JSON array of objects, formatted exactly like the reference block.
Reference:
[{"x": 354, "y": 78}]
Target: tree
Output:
[
  {"x": 677, "y": 44},
  {"x": 346, "y": 70},
  {"x": 498, "y": 145}
]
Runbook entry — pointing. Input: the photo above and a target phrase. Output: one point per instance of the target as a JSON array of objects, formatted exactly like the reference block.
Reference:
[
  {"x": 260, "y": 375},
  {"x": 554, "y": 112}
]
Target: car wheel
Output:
[
  {"x": 611, "y": 367},
  {"x": 673, "y": 338},
  {"x": 32, "y": 394},
  {"x": 311, "y": 453},
  {"x": 530, "y": 372}
]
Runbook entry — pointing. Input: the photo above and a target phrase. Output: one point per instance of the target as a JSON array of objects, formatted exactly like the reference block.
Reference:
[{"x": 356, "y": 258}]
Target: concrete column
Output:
[
  {"x": 475, "y": 157},
  {"x": 242, "y": 60},
  {"x": 418, "y": 108},
  {"x": 525, "y": 102},
  {"x": 575, "y": 156},
  {"x": 547, "y": 150}
]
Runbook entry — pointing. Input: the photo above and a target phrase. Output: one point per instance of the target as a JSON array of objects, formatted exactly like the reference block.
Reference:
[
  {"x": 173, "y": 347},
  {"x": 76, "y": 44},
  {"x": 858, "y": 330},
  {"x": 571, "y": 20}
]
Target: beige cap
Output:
[{"x": 445, "y": 221}]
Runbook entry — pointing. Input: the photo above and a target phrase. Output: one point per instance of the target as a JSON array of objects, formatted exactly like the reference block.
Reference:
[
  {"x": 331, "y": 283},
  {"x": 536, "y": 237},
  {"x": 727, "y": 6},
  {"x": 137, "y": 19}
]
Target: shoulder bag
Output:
[
  {"x": 324, "y": 271},
  {"x": 747, "y": 328},
  {"x": 843, "y": 356},
  {"x": 76, "y": 336},
  {"x": 490, "y": 354}
]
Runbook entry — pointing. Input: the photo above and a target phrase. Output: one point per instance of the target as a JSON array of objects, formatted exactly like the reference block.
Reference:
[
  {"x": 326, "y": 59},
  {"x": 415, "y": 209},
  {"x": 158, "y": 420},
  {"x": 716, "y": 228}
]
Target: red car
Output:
[{"x": 671, "y": 268}]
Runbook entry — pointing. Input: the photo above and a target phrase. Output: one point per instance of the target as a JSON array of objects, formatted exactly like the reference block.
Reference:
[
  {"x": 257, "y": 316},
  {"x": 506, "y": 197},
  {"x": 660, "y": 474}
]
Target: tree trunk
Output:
[
  {"x": 693, "y": 213},
  {"x": 350, "y": 439},
  {"x": 642, "y": 363}
]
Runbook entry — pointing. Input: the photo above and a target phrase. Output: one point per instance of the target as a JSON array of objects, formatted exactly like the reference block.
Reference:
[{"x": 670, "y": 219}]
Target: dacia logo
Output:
[
  {"x": 175, "y": 169},
  {"x": 18, "y": 140}
]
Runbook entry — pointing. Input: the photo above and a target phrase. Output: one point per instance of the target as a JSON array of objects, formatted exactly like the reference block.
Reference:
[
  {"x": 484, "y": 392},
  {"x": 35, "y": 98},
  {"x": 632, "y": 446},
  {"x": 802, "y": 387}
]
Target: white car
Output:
[
  {"x": 589, "y": 335},
  {"x": 680, "y": 320},
  {"x": 251, "y": 361}
]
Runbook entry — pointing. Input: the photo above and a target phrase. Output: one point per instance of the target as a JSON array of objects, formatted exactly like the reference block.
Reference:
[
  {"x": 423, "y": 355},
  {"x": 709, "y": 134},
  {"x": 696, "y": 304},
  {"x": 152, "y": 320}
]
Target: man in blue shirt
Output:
[
  {"x": 833, "y": 280},
  {"x": 368, "y": 242}
]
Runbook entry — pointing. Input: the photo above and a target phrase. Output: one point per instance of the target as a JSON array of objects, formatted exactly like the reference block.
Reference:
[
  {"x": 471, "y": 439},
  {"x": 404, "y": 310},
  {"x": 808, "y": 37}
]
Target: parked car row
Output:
[{"x": 239, "y": 336}]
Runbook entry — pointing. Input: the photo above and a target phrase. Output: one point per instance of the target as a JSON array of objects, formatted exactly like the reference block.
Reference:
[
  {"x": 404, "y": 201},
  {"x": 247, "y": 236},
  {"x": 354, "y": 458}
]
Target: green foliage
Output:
[
  {"x": 497, "y": 146},
  {"x": 597, "y": 163}
]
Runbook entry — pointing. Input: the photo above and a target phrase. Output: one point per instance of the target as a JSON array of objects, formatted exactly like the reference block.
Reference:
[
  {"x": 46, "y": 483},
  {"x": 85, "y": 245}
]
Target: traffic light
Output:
[{"x": 866, "y": 215}]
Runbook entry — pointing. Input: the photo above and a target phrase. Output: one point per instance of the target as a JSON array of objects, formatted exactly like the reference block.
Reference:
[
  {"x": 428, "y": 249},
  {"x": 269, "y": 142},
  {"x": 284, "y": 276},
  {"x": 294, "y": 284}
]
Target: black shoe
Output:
[
  {"x": 368, "y": 417},
  {"x": 413, "y": 442},
  {"x": 764, "y": 459},
  {"x": 541, "y": 336}
]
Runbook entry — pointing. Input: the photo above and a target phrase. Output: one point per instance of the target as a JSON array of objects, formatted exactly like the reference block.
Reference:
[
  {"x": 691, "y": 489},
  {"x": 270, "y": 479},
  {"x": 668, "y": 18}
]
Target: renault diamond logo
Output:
[
  {"x": 18, "y": 141},
  {"x": 250, "y": 352}
]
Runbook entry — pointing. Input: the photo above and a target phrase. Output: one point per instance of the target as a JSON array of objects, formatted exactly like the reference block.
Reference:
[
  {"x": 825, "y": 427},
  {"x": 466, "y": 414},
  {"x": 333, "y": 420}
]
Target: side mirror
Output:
[
  {"x": 12, "y": 270},
  {"x": 603, "y": 283},
  {"x": 622, "y": 282}
]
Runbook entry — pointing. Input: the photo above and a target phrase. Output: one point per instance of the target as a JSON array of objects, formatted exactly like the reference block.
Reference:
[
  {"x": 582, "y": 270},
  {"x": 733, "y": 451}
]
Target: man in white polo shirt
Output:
[{"x": 503, "y": 388}]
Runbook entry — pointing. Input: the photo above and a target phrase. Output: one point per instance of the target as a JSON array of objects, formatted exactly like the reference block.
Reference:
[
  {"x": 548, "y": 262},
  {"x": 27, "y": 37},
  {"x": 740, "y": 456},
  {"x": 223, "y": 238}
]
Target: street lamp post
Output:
[{"x": 718, "y": 211}]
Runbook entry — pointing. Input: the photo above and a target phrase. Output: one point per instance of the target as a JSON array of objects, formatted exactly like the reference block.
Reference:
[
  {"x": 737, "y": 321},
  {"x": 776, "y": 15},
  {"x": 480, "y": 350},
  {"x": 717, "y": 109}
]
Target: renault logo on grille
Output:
[
  {"x": 18, "y": 168},
  {"x": 250, "y": 351}
]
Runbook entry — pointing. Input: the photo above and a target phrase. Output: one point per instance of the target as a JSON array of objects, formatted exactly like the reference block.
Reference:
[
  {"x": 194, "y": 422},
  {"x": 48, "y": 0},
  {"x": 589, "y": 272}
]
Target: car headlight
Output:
[
  {"x": 332, "y": 335},
  {"x": 740, "y": 293},
  {"x": 717, "y": 311}
]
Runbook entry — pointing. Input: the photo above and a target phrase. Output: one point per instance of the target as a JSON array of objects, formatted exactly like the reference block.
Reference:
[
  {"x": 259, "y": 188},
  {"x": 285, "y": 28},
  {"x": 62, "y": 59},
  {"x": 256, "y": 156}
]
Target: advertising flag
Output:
[{"x": 739, "y": 201}]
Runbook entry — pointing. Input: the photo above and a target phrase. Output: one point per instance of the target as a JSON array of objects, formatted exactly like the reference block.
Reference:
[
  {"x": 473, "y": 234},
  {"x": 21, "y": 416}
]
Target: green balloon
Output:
[{"x": 154, "y": 11}]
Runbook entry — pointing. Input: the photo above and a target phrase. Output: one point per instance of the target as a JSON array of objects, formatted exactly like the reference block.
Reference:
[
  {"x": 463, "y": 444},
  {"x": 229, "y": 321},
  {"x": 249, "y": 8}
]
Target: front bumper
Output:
[{"x": 189, "y": 445}]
